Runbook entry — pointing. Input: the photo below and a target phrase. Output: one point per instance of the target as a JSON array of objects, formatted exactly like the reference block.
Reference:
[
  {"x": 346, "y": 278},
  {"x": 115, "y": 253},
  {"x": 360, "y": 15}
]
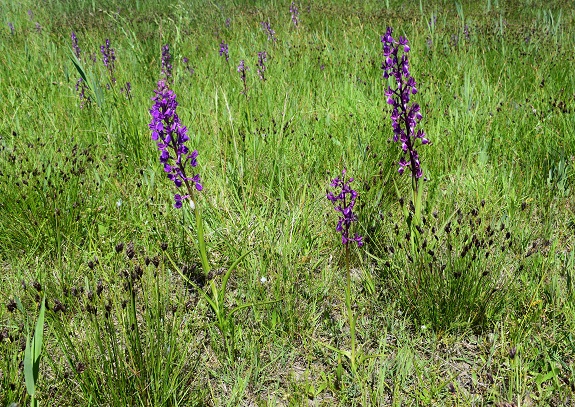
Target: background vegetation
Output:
[{"x": 484, "y": 315}]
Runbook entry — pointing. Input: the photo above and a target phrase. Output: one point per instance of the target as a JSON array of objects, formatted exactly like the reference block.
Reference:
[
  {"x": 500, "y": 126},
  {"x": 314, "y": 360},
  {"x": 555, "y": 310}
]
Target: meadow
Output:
[{"x": 460, "y": 292}]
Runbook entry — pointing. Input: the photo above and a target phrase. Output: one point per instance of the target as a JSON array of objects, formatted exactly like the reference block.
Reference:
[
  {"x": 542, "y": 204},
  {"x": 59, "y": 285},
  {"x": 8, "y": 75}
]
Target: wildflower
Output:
[
  {"x": 224, "y": 50},
  {"x": 171, "y": 137},
  {"x": 294, "y": 13},
  {"x": 344, "y": 202},
  {"x": 38, "y": 28},
  {"x": 242, "y": 69},
  {"x": 269, "y": 31},
  {"x": 262, "y": 57},
  {"x": 108, "y": 58},
  {"x": 11, "y": 27},
  {"x": 81, "y": 88},
  {"x": 405, "y": 115},
  {"x": 166, "y": 62},
  {"x": 228, "y": 22},
  {"x": 75, "y": 45}
]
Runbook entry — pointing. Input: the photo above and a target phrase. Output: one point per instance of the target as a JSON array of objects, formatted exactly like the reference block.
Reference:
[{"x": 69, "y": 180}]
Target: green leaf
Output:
[{"x": 33, "y": 351}]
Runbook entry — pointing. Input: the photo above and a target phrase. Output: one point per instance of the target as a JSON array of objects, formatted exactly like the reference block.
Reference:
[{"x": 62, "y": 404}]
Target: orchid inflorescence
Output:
[
  {"x": 294, "y": 13},
  {"x": 166, "y": 62},
  {"x": 108, "y": 58},
  {"x": 262, "y": 58},
  {"x": 266, "y": 26},
  {"x": 344, "y": 202},
  {"x": 75, "y": 45},
  {"x": 171, "y": 136},
  {"x": 405, "y": 116},
  {"x": 224, "y": 52}
]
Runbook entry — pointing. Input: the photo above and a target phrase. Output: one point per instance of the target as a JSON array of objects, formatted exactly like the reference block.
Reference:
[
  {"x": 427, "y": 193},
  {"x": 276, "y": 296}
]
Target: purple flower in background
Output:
[
  {"x": 269, "y": 31},
  {"x": 171, "y": 137},
  {"x": 466, "y": 33},
  {"x": 81, "y": 88},
  {"x": 242, "y": 69},
  {"x": 405, "y": 115},
  {"x": 11, "y": 27},
  {"x": 228, "y": 22},
  {"x": 38, "y": 28},
  {"x": 108, "y": 58},
  {"x": 344, "y": 201},
  {"x": 224, "y": 50},
  {"x": 127, "y": 90},
  {"x": 166, "y": 62},
  {"x": 75, "y": 45},
  {"x": 262, "y": 58},
  {"x": 186, "y": 62},
  {"x": 294, "y": 13},
  {"x": 30, "y": 15}
]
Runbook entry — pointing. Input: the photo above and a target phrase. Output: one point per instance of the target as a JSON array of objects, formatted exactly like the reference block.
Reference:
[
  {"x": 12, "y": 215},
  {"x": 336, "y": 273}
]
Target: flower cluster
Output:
[
  {"x": 75, "y": 45},
  {"x": 294, "y": 13},
  {"x": 224, "y": 50},
  {"x": 108, "y": 58},
  {"x": 405, "y": 116},
  {"x": 11, "y": 27},
  {"x": 262, "y": 58},
  {"x": 269, "y": 31},
  {"x": 166, "y": 62},
  {"x": 81, "y": 88},
  {"x": 242, "y": 69},
  {"x": 172, "y": 136},
  {"x": 344, "y": 202}
]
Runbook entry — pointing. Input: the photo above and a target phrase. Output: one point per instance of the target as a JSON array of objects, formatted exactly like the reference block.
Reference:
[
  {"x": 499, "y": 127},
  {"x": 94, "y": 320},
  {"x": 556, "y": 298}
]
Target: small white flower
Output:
[
  {"x": 192, "y": 205},
  {"x": 119, "y": 203},
  {"x": 263, "y": 280}
]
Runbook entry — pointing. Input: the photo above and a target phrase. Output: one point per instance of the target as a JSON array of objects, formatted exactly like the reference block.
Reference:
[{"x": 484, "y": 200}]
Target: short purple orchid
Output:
[{"x": 344, "y": 202}]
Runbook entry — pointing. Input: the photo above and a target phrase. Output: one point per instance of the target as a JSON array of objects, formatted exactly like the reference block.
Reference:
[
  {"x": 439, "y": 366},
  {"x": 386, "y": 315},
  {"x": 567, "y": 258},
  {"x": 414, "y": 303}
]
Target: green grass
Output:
[{"x": 492, "y": 327}]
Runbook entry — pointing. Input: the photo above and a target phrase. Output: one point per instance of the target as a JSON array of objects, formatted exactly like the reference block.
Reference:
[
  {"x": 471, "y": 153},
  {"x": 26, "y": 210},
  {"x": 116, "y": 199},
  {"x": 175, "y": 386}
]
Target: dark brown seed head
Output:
[
  {"x": 156, "y": 261},
  {"x": 99, "y": 287},
  {"x": 130, "y": 252},
  {"x": 119, "y": 247},
  {"x": 512, "y": 352},
  {"x": 37, "y": 286},
  {"x": 11, "y": 305},
  {"x": 164, "y": 246},
  {"x": 91, "y": 265}
]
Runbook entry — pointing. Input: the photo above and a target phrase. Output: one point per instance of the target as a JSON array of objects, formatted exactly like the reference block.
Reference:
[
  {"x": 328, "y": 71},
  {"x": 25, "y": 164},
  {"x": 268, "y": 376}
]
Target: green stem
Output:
[{"x": 349, "y": 311}]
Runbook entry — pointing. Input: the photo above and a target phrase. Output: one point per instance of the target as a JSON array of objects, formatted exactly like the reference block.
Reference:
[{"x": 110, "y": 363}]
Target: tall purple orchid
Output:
[
  {"x": 405, "y": 115},
  {"x": 343, "y": 202},
  {"x": 171, "y": 136}
]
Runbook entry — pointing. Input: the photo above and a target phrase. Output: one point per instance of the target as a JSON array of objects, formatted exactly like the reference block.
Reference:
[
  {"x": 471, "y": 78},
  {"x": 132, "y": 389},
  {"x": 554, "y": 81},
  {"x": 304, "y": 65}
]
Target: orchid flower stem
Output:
[
  {"x": 350, "y": 312},
  {"x": 200, "y": 229}
]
